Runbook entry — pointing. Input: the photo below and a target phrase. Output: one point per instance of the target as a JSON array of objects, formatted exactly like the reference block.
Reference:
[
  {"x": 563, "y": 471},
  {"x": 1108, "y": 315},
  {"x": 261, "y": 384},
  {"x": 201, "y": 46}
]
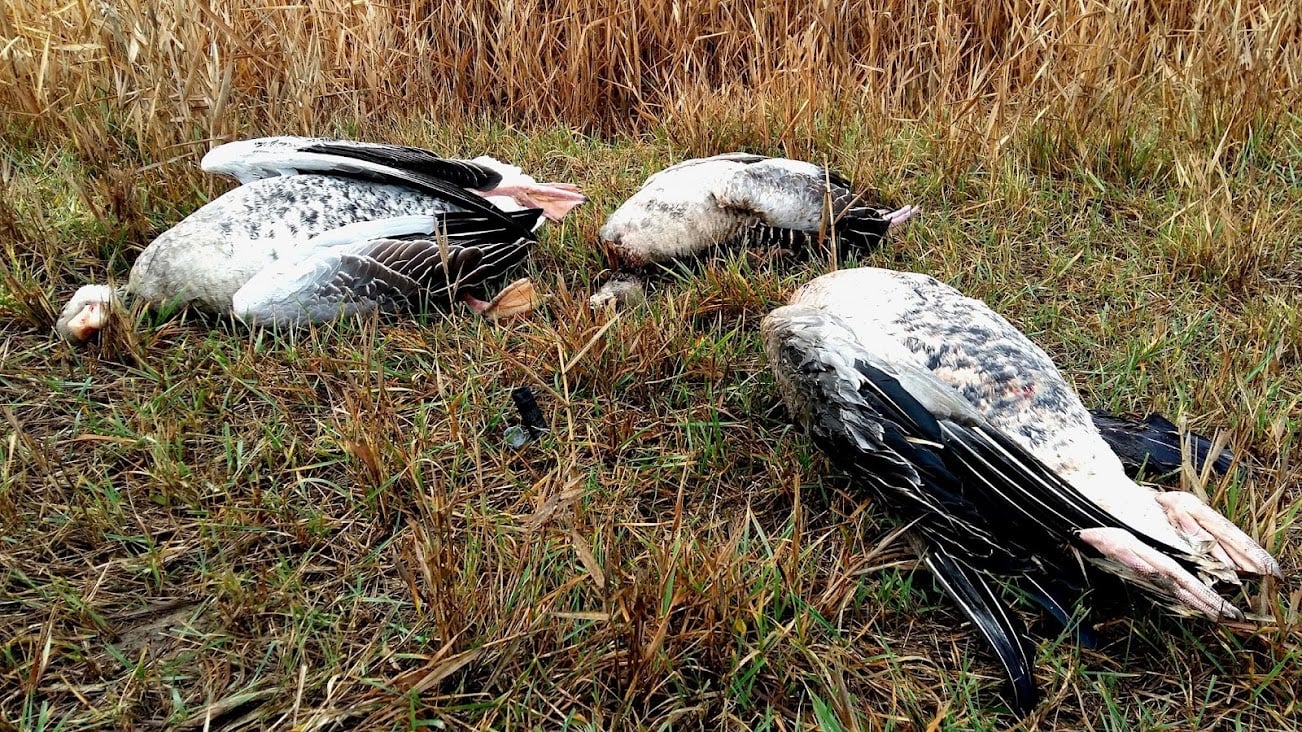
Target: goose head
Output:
[
  {"x": 624, "y": 289},
  {"x": 86, "y": 313},
  {"x": 627, "y": 252}
]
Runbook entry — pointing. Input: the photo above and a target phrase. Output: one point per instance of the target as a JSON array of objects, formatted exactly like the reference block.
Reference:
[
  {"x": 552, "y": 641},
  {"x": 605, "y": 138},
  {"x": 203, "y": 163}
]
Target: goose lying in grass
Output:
[
  {"x": 688, "y": 208},
  {"x": 938, "y": 407},
  {"x": 325, "y": 228}
]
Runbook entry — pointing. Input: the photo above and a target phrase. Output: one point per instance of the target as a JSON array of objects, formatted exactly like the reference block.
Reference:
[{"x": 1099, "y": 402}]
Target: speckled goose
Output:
[
  {"x": 687, "y": 208},
  {"x": 323, "y": 228},
  {"x": 948, "y": 414}
]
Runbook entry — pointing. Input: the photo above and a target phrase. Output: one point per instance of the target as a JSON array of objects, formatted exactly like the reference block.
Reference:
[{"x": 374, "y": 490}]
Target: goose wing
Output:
[
  {"x": 382, "y": 272},
  {"x": 782, "y": 193},
  {"x": 732, "y": 157},
  {"x": 970, "y": 589},
  {"x": 446, "y": 178},
  {"x": 266, "y": 157},
  {"x": 465, "y": 173}
]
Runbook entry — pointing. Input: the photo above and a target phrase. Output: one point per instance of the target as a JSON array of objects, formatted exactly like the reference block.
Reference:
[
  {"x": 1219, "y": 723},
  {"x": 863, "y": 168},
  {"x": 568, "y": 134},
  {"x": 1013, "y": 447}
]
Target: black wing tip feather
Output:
[
  {"x": 897, "y": 403},
  {"x": 1152, "y": 445},
  {"x": 469, "y": 223},
  {"x": 466, "y": 173},
  {"x": 1058, "y": 597},
  {"x": 526, "y": 217},
  {"x": 1002, "y": 629}
]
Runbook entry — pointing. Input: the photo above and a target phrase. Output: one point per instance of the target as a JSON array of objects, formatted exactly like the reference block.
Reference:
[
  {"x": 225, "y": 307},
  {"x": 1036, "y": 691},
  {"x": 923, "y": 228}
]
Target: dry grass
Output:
[
  {"x": 158, "y": 75},
  {"x": 205, "y": 527}
]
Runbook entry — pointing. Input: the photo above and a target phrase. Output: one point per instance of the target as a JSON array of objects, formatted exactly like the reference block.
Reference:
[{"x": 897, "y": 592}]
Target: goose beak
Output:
[
  {"x": 88, "y": 321},
  {"x": 518, "y": 299}
]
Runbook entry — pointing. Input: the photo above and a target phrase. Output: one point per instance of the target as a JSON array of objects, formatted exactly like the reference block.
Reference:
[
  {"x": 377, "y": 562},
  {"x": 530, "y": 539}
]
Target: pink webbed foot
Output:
[
  {"x": 1132, "y": 558},
  {"x": 901, "y": 216},
  {"x": 1231, "y": 545},
  {"x": 555, "y": 199}
]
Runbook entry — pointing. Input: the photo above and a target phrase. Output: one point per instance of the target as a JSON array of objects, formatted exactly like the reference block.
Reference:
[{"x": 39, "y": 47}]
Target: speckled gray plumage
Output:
[
  {"x": 997, "y": 369},
  {"x": 211, "y": 253}
]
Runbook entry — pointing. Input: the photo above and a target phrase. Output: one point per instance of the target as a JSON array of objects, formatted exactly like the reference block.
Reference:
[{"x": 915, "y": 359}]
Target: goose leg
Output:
[
  {"x": 901, "y": 216},
  {"x": 555, "y": 199},
  {"x": 1187, "y": 513},
  {"x": 1152, "y": 567}
]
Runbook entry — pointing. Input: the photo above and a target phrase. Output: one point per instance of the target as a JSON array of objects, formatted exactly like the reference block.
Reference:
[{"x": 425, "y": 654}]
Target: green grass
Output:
[{"x": 202, "y": 525}]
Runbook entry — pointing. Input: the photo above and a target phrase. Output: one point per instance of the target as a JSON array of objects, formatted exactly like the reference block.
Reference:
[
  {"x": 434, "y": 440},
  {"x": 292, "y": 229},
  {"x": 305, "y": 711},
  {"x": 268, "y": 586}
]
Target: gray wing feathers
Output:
[
  {"x": 465, "y": 173},
  {"x": 382, "y": 274},
  {"x": 777, "y": 196},
  {"x": 791, "y": 194}
]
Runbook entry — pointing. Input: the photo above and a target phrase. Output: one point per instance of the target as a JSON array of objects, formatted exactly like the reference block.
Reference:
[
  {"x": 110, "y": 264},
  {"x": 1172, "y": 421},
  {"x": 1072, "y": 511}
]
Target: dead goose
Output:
[
  {"x": 687, "y": 208},
  {"x": 310, "y": 235},
  {"x": 949, "y": 415}
]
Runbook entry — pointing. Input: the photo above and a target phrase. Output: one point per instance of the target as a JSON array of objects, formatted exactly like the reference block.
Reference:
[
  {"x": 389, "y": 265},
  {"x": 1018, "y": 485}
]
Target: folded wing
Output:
[{"x": 411, "y": 270}]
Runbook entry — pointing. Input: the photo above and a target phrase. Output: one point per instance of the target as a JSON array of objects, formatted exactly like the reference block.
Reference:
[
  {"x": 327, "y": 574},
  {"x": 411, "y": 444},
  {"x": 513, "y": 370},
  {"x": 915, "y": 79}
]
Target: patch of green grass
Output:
[{"x": 328, "y": 528}]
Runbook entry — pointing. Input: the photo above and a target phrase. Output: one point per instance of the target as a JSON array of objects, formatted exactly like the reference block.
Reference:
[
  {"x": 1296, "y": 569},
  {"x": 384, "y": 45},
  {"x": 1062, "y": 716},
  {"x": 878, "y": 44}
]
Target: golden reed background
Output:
[{"x": 168, "y": 72}]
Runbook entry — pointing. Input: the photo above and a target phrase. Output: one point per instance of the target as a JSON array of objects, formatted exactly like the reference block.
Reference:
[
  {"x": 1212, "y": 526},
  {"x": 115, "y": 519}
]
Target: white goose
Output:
[
  {"x": 688, "y": 208},
  {"x": 952, "y": 417},
  {"x": 324, "y": 228}
]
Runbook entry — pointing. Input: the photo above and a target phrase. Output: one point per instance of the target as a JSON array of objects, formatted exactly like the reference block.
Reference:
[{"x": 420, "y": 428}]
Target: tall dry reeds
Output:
[{"x": 162, "y": 73}]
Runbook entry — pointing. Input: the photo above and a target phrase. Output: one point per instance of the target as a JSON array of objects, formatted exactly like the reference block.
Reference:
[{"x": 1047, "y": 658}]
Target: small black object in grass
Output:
[{"x": 530, "y": 415}]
